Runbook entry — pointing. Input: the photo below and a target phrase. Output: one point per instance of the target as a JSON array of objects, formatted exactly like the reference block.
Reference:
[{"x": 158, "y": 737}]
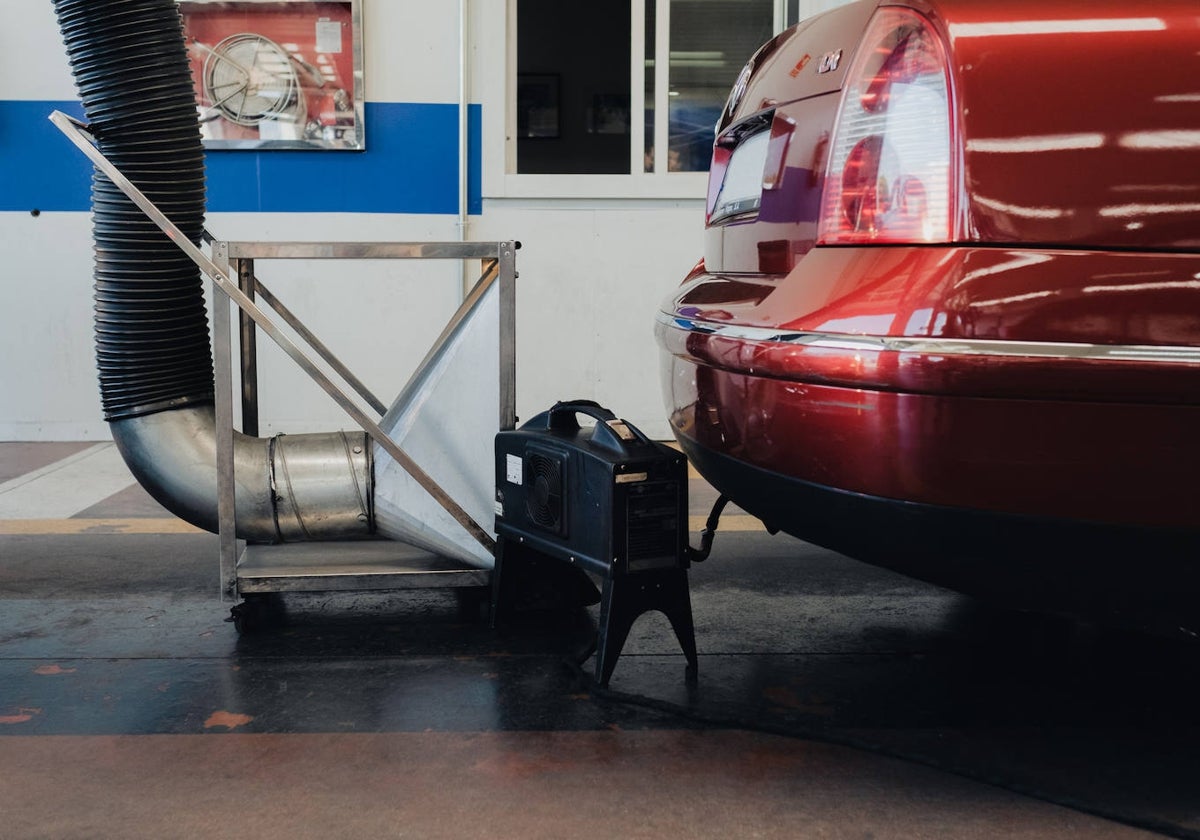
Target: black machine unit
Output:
[{"x": 606, "y": 499}]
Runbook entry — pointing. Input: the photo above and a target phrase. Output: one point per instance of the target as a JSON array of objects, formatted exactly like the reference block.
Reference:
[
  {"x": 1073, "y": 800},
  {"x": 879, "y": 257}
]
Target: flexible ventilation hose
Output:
[{"x": 131, "y": 68}]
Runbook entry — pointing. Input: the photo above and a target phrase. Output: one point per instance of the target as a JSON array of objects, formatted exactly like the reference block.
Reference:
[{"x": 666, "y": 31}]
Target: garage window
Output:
[{"x": 628, "y": 86}]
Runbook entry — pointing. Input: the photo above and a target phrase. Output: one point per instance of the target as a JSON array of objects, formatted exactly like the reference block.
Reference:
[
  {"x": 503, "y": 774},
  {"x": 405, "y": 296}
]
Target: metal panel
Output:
[
  {"x": 446, "y": 418},
  {"x": 366, "y": 250},
  {"x": 223, "y": 384},
  {"x": 313, "y": 567}
]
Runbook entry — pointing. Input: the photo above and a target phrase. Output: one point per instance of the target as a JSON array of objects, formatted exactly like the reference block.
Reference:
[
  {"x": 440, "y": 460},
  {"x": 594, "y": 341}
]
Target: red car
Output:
[{"x": 948, "y": 315}]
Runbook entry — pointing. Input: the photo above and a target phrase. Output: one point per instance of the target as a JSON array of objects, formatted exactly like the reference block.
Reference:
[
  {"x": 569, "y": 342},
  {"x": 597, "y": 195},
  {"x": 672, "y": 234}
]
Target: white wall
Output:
[
  {"x": 592, "y": 269},
  {"x": 378, "y": 321},
  {"x": 591, "y": 280}
]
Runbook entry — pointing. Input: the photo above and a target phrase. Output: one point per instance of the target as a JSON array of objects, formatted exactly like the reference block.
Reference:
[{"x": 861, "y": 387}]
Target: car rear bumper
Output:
[{"x": 1078, "y": 434}]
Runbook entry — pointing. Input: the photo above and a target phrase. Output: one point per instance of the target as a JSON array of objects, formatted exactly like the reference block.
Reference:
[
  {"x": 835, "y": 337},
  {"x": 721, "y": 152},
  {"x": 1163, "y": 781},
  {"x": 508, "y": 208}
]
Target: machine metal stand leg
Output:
[
  {"x": 626, "y": 597},
  {"x": 525, "y": 579}
]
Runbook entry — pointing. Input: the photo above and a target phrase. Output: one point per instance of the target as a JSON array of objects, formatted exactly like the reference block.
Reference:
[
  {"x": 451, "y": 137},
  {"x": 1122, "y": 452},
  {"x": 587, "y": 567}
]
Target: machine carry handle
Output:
[
  {"x": 610, "y": 430},
  {"x": 562, "y": 414}
]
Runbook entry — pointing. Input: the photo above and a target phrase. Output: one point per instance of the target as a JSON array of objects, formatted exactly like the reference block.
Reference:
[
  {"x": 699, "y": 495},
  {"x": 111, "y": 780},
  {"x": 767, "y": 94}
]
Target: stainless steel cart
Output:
[{"x": 254, "y": 569}]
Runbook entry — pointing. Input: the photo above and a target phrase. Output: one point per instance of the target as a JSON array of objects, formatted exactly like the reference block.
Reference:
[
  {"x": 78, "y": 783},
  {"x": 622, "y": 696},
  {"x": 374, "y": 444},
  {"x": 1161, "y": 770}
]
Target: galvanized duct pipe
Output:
[{"x": 152, "y": 346}]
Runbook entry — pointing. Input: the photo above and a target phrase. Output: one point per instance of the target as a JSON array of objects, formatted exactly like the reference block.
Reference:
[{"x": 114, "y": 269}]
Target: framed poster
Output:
[{"x": 277, "y": 74}]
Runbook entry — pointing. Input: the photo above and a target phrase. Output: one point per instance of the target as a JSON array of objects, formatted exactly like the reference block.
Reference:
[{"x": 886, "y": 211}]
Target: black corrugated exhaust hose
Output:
[{"x": 131, "y": 68}]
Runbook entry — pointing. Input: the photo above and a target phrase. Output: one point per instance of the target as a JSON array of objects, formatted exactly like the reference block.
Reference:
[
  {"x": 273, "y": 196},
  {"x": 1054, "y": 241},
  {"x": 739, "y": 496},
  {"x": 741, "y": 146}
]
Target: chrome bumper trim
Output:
[{"x": 937, "y": 346}]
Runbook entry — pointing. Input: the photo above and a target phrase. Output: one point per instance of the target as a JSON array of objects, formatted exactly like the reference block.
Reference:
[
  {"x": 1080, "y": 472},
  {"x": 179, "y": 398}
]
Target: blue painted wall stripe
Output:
[
  {"x": 410, "y": 166},
  {"x": 475, "y": 161},
  {"x": 39, "y": 168}
]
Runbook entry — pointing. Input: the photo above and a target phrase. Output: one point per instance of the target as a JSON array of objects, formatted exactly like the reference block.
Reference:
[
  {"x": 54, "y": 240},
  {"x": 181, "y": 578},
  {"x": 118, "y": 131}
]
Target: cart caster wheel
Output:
[
  {"x": 255, "y": 614},
  {"x": 245, "y": 618},
  {"x": 473, "y": 603}
]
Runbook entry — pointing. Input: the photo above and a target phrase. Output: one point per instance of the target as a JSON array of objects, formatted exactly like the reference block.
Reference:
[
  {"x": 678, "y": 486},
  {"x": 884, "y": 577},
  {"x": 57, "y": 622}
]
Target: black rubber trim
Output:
[{"x": 1145, "y": 577}]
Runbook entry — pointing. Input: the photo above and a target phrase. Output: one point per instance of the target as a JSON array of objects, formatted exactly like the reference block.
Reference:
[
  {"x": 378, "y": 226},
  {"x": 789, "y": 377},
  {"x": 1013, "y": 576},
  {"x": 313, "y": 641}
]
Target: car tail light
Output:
[{"x": 891, "y": 175}]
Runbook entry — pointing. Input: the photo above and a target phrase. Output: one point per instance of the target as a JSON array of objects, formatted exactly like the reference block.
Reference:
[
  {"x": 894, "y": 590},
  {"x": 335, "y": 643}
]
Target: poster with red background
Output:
[{"x": 276, "y": 74}]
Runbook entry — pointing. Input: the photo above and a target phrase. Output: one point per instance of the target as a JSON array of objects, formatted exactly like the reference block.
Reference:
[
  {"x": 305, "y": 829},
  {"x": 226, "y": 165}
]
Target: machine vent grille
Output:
[
  {"x": 653, "y": 517},
  {"x": 545, "y": 503}
]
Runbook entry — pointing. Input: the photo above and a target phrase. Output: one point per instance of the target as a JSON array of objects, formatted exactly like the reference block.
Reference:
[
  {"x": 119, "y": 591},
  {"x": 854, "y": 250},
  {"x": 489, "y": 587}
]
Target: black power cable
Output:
[{"x": 699, "y": 555}]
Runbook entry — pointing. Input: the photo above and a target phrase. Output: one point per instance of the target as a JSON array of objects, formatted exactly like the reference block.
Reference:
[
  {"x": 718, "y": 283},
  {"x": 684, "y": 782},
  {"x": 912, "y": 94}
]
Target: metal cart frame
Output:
[
  {"x": 351, "y": 564},
  {"x": 329, "y": 565}
]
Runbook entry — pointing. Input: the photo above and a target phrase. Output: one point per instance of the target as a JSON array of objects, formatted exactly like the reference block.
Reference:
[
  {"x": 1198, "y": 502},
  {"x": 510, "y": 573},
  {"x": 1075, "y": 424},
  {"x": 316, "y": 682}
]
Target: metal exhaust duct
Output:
[{"x": 153, "y": 352}]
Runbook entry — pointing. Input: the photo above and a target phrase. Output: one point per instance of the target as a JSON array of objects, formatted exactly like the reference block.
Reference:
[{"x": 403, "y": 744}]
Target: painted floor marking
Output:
[
  {"x": 42, "y": 502},
  {"x": 730, "y": 522},
  {"x": 25, "y": 478},
  {"x": 166, "y": 525},
  {"x": 61, "y": 527},
  {"x": 66, "y": 487}
]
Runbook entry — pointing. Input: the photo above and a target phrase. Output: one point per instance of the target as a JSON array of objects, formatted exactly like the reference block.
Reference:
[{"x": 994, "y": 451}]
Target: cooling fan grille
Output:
[{"x": 545, "y": 503}]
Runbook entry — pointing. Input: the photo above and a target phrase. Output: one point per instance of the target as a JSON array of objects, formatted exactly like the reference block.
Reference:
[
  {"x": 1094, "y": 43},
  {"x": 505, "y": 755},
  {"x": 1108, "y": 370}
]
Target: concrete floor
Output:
[{"x": 833, "y": 700}]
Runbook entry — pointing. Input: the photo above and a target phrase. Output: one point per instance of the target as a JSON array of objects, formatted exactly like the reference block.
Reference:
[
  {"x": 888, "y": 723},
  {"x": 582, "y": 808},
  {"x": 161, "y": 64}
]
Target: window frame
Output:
[{"x": 501, "y": 180}]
